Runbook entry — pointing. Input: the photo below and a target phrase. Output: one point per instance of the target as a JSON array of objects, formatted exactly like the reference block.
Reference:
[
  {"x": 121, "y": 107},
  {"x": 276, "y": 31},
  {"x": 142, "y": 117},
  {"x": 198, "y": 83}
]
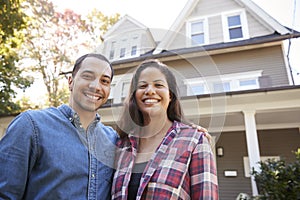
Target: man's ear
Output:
[{"x": 70, "y": 82}]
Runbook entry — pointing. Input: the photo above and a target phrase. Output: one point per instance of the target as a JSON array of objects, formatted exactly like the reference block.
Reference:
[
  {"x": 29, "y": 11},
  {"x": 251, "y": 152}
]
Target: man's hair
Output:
[{"x": 78, "y": 62}]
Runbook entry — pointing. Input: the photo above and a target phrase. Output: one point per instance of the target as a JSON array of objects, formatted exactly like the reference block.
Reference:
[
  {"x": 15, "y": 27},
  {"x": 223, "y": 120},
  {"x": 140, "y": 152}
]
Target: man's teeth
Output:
[
  {"x": 151, "y": 101},
  {"x": 93, "y": 97}
]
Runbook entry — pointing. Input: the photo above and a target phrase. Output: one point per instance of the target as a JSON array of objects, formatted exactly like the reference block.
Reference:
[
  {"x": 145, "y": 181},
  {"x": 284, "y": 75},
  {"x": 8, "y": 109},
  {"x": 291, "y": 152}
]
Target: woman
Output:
[{"x": 159, "y": 156}]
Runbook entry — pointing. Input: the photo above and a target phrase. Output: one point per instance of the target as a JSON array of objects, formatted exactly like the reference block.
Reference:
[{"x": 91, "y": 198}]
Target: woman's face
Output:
[{"x": 152, "y": 94}]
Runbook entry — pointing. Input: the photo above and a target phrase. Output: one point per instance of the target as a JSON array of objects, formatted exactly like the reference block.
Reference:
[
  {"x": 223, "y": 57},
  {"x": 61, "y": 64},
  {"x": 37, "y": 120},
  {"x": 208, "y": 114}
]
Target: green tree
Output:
[{"x": 12, "y": 22}]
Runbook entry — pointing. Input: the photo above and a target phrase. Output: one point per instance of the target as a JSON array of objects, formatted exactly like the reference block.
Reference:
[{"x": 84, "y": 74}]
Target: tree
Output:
[
  {"x": 12, "y": 21},
  {"x": 53, "y": 42}
]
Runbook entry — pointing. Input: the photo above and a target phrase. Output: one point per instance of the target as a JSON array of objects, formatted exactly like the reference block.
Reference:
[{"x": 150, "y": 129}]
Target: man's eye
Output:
[{"x": 86, "y": 76}]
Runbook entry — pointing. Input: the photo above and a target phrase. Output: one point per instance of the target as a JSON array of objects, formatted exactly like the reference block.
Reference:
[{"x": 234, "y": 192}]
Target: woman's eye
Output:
[
  {"x": 105, "y": 81},
  {"x": 142, "y": 86},
  {"x": 159, "y": 85}
]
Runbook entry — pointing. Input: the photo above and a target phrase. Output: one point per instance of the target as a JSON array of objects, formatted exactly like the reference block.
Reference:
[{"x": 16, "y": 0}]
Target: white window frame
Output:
[
  {"x": 205, "y": 31},
  {"x": 233, "y": 80},
  {"x": 244, "y": 25}
]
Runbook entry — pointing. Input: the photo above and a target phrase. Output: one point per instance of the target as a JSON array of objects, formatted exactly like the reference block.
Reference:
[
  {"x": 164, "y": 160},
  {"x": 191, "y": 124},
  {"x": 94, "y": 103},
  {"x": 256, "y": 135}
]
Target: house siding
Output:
[
  {"x": 268, "y": 59},
  {"x": 235, "y": 148}
]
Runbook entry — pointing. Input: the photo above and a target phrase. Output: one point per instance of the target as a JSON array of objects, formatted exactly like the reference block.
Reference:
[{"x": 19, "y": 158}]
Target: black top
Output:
[{"x": 135, "y": 180}]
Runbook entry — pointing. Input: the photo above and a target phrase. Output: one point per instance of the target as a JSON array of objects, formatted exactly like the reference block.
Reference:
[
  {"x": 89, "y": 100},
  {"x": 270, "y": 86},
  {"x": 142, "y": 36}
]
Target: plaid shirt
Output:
[{"x": 181, "y": 168}]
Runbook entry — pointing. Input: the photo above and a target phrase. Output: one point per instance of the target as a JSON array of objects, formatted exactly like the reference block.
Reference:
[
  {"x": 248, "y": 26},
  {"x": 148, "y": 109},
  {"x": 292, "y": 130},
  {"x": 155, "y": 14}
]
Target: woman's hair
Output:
[
  {"x": 132, "y": 116},
  {"x": 78, "y": 62}
]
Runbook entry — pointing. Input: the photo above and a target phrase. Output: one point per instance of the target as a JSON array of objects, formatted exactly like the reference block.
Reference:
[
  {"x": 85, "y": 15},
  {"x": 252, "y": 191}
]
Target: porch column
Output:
[{"x": 252, "y": 145}]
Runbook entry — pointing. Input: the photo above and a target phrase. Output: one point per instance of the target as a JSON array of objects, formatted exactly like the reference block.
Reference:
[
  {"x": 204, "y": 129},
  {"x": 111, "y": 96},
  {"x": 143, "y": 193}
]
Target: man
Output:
[{"x": 64, "y": 152}]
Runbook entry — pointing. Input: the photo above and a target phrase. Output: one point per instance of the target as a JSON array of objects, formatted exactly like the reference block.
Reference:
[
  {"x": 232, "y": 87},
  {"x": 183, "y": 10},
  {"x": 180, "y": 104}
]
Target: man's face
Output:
[{"x": 90, "y": 87}]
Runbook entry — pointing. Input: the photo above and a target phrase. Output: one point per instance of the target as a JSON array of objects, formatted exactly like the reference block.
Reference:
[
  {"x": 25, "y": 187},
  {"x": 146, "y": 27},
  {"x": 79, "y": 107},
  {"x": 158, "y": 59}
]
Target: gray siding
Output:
[{"x": 268, "y": 59}]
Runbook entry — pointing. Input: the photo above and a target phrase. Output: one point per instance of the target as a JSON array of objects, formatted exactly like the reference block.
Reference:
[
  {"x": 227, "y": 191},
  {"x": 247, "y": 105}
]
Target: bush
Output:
[{"x": 278, "y": 180}]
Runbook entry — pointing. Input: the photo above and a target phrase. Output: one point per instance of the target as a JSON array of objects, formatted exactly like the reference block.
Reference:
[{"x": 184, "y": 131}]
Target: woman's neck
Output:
[{"x": 152, "y": 134}]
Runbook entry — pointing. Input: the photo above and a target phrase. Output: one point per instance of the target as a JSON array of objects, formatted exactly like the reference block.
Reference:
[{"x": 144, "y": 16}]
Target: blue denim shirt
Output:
[{"x": 46, "y": 154}]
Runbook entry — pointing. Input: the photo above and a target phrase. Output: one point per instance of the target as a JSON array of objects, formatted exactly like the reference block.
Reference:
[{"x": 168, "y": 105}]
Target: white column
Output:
[{"x": 252, "y": 145}]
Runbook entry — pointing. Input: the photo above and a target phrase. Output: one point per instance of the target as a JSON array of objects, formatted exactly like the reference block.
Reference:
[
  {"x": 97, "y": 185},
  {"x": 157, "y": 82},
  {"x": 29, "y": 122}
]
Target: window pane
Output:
[
  {"x": 122, "y": 52},
  {"x": 133, "y": 50},
  {"x": 125, "y": 89},
  {"x": 197, "y": 27},
  {"x": 111, "y": 54},
  {"x": 248, "y": 82},
  {"x": 198, "y": 39},
  {"x": 197, "y": 89},
  {"x": 234, "y": 21},
  {"x": 221, "y": 87},
  {"x": 235, "y": 33}
]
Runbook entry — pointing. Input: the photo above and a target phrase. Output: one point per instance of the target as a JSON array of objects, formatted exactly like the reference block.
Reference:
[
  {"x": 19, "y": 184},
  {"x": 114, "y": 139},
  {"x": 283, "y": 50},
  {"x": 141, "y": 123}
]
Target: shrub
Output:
[{"x": 278, "y": 180}]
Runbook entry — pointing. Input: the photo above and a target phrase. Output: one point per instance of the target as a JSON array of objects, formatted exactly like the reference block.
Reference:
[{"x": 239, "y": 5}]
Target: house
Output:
[{"x": 234, "y": 76}]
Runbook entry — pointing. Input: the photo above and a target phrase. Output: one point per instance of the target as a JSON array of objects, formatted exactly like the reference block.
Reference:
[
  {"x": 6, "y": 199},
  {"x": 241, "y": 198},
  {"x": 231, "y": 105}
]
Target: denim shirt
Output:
[{"x": 46, "y": 154}]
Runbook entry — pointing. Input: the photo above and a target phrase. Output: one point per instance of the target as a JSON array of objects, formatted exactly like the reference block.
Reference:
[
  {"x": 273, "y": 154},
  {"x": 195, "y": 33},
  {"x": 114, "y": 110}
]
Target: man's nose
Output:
[{"x": 95, "y": 85}]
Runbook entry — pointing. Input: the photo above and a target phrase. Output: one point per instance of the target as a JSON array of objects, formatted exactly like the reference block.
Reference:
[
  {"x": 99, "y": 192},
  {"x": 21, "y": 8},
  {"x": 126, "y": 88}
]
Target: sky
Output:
[{"x": 161, "y": 14}]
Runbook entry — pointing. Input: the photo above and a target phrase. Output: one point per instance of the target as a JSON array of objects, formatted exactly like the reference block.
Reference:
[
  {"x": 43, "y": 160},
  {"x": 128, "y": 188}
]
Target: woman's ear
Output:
[{"x": 70, "y": 82}]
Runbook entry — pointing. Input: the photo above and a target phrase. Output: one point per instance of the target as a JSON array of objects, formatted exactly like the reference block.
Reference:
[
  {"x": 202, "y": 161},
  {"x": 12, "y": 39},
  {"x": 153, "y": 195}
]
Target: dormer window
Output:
[
  {"x": 122, "y": 52},
  {"x": 198, "y": 32},
  {"x": 235, "y": 26},
  {"x": 133, "y": 50},
  {"x": 112, "y": 50},
  {"x": 123, "y": 48}
]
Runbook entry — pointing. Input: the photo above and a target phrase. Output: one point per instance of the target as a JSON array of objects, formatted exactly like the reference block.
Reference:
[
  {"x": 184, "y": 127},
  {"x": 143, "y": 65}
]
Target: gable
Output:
[
  {"x": 126, "y": 39},
  {"x": 218, "y": 21}
]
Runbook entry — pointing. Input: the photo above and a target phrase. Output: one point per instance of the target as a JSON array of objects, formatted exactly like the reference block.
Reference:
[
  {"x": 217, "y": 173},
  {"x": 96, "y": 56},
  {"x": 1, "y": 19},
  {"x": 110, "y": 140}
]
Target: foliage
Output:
[
  {"x": 278, "y": 180},
  {"x": 12, "y": 22},
  {"x": 53, "y": 41}
]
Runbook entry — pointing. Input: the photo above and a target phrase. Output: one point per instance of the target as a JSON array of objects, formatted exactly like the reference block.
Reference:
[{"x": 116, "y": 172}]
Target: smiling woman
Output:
[{"x": 157, "y": 146}]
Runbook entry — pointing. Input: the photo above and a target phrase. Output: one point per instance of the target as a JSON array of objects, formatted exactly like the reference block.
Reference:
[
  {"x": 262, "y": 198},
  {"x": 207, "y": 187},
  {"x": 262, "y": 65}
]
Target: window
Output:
[
  {"x": 123, "y": 48},
  {"x": 221, "y": 87},
  {"x": 122, "y": 52},
  {"x": 125, "y": 89},
  {"x": 133, "y": 50},
  {"x": 112, "y": 50},
  {"x": 235, "y": 26},
  {"x": 223, "y": 83},
  {"x": 198, "y": 32}
]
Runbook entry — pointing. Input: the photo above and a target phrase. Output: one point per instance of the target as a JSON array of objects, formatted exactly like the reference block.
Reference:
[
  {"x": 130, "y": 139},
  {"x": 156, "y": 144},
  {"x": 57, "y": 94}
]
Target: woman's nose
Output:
[{"x": 150, "y": 90}]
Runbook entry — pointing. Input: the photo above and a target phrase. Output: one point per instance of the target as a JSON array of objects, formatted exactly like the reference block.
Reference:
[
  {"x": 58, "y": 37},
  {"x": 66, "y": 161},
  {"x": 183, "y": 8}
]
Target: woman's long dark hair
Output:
[{"x": 131, "y": 117}]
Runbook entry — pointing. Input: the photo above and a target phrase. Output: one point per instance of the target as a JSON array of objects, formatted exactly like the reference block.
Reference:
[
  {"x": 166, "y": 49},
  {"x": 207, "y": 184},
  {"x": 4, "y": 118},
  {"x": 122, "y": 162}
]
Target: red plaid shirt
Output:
[{"x": 182, "y": 167}]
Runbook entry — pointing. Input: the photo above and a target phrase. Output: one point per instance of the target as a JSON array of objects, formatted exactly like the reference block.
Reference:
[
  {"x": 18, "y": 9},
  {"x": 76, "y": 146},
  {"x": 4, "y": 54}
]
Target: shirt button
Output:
[{"x": 93, "y": 175}]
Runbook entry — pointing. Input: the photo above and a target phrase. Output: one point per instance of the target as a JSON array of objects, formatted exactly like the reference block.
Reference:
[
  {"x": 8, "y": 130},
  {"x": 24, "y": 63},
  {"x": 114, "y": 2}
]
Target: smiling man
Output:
[{"x": 63, "y": 152}]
